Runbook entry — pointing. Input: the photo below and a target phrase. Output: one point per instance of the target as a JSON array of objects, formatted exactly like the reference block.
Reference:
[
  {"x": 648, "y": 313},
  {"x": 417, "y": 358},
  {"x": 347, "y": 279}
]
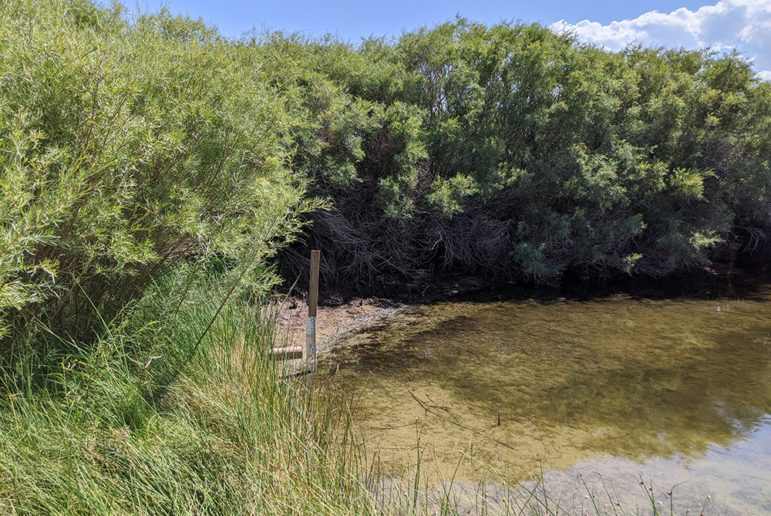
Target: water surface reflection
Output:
[{"x": 675, "y": 388}]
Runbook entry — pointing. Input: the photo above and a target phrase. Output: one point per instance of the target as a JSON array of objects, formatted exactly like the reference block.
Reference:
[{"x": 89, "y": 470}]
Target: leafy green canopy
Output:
[
  {"x": 128, "y": 143},
  {"x": 124, "y": 147},
  {"x": 514, "y": 151}
]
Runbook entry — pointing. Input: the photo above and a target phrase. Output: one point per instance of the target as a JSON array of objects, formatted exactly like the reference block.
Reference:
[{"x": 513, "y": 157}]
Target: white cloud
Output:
[{"x": 741, "y": 24}]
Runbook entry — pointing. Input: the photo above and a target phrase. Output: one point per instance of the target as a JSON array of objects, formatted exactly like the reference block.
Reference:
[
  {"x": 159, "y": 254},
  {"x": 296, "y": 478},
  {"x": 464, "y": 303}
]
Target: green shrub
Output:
[
  {"x": 126, "y": 146},
  {"x": 129, "y": 142},
  {"x": 521, "y": 153}
]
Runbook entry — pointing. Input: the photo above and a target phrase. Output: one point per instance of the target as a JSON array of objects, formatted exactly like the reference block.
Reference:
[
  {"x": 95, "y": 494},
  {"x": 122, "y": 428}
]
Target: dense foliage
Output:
[
  {"x": 126, "y": 146},
  {"x": 515, "y": 152},
  {"x": 130, "y": 142},
  {"x": 150, "y": 170}
]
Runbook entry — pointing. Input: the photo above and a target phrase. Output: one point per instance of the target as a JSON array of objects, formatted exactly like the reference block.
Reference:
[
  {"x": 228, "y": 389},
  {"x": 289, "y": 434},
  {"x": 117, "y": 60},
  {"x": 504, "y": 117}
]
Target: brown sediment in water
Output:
[{"x": 628, "y": 377}]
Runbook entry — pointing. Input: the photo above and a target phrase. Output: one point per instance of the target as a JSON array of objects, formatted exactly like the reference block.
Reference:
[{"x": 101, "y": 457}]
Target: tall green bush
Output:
[
  {"x": 130, "y": 142},
  {"x": 521, "y": 153},
  {"x": 127, "y": 144}
]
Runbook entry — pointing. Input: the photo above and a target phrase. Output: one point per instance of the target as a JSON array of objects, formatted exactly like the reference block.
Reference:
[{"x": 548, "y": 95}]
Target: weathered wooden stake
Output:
[
  {"x": 310, "y": 322},
  {"x": 287, "y": 353}
]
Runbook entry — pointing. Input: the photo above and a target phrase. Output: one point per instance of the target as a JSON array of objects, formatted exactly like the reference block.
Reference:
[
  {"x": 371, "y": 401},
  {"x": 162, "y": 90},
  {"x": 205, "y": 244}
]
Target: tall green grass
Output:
[{"x": 160, "y": 418}]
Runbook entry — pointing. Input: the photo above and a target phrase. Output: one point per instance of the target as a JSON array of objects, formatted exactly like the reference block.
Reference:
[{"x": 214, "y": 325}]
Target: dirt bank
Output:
[
  {"x": 332, "y": 320},
  {"x": 341, "y": 312}
]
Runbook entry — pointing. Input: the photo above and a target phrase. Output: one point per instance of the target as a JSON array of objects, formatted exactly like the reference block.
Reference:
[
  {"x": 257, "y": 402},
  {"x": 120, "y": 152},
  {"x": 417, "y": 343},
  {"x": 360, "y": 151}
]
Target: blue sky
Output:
[{"x": 741, "y": 24}]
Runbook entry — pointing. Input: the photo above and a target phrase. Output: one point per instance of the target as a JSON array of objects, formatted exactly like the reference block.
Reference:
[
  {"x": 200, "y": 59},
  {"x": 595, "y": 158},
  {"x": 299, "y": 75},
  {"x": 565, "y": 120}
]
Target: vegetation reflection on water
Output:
[{"x": 616, "y": 385}]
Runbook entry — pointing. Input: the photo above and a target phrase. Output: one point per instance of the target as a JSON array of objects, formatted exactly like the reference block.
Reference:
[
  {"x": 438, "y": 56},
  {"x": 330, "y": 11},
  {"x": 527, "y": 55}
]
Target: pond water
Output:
[{"x": 610, "y": 390}]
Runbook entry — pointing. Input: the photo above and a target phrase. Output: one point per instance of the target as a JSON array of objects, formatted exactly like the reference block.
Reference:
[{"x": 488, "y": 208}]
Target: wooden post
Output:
[
  {"x": 313, "y": 300},
  {"x": 313, "y": 286},
  {"x": 287, "y": 353}
]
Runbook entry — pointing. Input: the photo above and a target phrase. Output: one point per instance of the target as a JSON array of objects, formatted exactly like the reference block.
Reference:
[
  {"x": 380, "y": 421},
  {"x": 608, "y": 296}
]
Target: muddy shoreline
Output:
[
  {"x": 342, "y": 312},
  {"x": 332, "y": 321}
]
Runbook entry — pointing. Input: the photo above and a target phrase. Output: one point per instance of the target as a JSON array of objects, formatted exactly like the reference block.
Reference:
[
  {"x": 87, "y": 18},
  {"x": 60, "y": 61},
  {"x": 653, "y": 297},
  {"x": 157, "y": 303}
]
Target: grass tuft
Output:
[{"x": 162, "y": 416}]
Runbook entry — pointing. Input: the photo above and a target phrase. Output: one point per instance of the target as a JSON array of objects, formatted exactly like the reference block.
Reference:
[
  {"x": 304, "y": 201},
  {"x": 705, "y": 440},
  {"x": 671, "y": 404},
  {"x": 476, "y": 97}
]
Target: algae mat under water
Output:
[{"x": 667, "y": 390}]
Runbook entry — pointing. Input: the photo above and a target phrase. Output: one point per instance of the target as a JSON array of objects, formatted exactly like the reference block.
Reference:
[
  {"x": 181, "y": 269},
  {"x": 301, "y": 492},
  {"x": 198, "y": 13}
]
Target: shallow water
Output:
[{"x": 615, "y": 388}]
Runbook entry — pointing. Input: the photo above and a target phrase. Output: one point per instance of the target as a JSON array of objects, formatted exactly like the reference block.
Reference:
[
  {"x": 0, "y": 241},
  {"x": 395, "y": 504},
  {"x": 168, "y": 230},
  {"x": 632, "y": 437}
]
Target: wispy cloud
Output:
[{"x": 741, "y": 24}]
